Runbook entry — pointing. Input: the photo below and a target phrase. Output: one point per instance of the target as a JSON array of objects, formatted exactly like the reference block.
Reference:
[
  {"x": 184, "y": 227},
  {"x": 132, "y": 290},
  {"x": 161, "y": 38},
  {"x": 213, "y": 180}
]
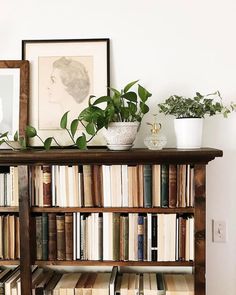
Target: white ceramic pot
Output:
[
  {"x": 121, "y": 135},
  {"x": 188, "y": 132}
]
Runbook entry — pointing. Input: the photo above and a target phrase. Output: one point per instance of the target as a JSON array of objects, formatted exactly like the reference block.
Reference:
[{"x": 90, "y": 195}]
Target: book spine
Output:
[
  {"x": 69, "y": 235},
  {"x": 147, "y": 185},
  {"x": 116, "y": 236},
  {"x": 60, "y": 221},
  {"x": 45, "y": 236},
  {"x": 87, "y": 177},
  {"x": 140, "y": 237},
  {"x": 164, "y": 185},
  {"x": 182, "y": 238},
  {"x": 39, "y": 240},
  {"x": 145, "y": 238},
  {"x": 52, "y": 237},
  {"x": 47, "y": 186},
  {"x": 154, "y": 237},
  {"x": 96, "y": 174},
  {"x": 172, "y": 186}
]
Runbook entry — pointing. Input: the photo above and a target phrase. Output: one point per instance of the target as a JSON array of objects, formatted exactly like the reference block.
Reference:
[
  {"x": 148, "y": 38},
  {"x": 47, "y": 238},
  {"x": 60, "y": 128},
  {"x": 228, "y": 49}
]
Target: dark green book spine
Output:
[
  {"x": 164, "y": 185},
  {"x": 45, "y": 236},
  {"x": 39, "y": 248},
  {"x": 147, "y": 185}
]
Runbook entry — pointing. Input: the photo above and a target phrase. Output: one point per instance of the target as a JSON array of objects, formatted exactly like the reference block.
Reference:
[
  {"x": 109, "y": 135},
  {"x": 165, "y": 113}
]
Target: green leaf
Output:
[
  {"x": 30, "y": 131},
  {"x": 144, "y": 108},
  {"x": 16, "y": 136},
  {"x": 81, "y": 142},
  {"x": 143, "y": 93},
  {"x": 90, "y": 98},
  {"x": 115, "y": 91},
  {"x": 2, "y": 141},
  {"x": 73, "y": 126},
  {"x": 47, "y": 143},
  {"x": 102, "y": 99},
  {"x": 4, "y": 134},
  {"x": 63, "y": 122},
  {"x": 128, "y": 86},
  {"x": 90, "y": 129},
  {"x": 131, "y": 96}
]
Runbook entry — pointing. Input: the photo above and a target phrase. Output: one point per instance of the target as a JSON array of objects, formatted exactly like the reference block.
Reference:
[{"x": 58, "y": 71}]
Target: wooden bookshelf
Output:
[
  {"x": 9, "y": 262},
  {"x": 24, "y": 159}
]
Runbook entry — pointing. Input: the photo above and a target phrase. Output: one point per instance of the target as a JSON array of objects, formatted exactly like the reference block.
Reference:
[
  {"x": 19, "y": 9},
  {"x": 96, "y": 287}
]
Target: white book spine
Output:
[
  {"x": 106, "y": 238},
  {"x": 124, "y": 183},
  {"x": 149, "y": 237},
  {"x": 53, "y": 187},
  {"x": 74, "y": 235}
]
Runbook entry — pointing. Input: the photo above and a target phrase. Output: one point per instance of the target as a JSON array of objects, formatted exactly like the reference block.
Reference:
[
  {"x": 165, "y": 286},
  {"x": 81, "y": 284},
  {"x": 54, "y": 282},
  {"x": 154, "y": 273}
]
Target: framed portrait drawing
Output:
[
  {"x": 14, "y": 92},
  {"x": 63, "y": 75}
]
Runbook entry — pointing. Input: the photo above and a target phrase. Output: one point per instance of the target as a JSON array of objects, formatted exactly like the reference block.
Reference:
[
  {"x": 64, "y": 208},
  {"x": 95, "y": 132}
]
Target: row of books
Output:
[
  {"x": 9, "y": 190},
  {"x": 49, "y": 282},
  {"x": 9, "y": 237},
  {"x": 113, "y": 186},
  {"x": 114, "y": 236}
]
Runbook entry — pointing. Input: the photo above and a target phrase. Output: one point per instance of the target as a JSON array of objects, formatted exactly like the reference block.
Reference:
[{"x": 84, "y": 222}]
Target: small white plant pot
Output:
[
  {"x": 121, "y": 135},
  {"x": 188, "y": 132}
]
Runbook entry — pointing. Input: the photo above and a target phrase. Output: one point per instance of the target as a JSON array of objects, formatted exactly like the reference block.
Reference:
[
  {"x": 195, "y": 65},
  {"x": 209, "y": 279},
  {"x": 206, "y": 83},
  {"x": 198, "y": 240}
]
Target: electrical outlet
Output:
[{"x": 218, "y": 231}]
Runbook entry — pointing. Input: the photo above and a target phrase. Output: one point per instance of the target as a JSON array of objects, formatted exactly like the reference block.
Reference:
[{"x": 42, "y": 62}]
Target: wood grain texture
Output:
[
  {"x": 103, "y": 156},
  {"x": 200, "y": 229},
  {"x": 25, "y": 231},
  {"x": 23, "y": 66}
]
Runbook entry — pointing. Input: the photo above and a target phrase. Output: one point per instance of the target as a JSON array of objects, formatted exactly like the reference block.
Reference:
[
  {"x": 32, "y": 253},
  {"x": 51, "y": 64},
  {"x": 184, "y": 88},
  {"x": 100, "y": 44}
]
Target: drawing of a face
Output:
[{"x": 70, "y": 76}]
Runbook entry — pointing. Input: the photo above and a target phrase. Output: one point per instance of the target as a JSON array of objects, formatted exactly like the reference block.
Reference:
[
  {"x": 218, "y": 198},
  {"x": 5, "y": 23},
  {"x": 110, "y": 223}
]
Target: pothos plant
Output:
[
  {"x": 197, "y": 107},
  {"x": 123, "y": 105}
]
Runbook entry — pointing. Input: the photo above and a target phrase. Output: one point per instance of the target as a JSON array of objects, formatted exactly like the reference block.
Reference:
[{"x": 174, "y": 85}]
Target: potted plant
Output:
[
  {"x": 189, "y": 114},
  {"x": 120, "y": 113}
]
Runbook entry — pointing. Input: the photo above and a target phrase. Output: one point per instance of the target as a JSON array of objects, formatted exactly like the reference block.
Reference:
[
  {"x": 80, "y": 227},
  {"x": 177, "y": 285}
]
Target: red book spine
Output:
[{"x": 47, "y": 186}]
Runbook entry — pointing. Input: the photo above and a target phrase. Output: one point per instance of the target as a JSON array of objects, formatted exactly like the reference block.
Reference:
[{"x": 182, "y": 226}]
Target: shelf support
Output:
[
  {"x": 200, "y": 226},
  {"x": 25, "y": 230}
]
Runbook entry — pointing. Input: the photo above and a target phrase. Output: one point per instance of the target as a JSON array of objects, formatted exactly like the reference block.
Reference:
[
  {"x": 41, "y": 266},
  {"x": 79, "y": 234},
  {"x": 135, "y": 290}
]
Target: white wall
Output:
[{"x": 173, "y": 47}]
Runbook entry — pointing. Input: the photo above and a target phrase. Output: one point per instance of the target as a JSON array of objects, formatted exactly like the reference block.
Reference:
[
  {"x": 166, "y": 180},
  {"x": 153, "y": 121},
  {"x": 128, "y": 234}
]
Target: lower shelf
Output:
[
  {"x": 112, "y": 263},
  {"x": 9, "y": 262}
]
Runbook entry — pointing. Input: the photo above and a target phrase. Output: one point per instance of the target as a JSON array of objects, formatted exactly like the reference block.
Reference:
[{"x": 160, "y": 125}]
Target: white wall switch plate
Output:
[{"x": 218, "y": 231}]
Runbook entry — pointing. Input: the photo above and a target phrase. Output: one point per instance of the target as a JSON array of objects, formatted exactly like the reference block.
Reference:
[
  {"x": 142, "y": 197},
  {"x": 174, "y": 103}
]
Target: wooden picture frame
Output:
[
  {"x": 63, "y": 74},
  {"x": 14, "y": 94}
]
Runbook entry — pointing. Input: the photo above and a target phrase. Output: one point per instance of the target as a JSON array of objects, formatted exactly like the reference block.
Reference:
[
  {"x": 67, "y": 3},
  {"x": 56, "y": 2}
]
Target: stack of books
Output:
[
  {"x": 9, "y": 189},
  {"x": 49, "y": 282}
]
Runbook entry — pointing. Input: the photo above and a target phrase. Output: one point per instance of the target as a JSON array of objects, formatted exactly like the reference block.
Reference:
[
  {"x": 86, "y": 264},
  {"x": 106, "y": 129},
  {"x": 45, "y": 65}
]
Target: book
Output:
[
  {"x": 147, "y": 185},
  {"x": 47, "y": 186},
  {"x": 172, "y": 186},
  {"x": 88, "y": 193},
  {"x": 80, "y": 284},
  {"x": 52, "y": 237},
  {"x": 69, "y": 235},
  {"x": 88, "y": 286},
  {"x": 116, "y": 193},
  {"x": 140, "y": 238},
  {"x": 52, "y": 284},
  {"x": 39, "y": 238},
  {"x": 116, "y": 236},
  {"x": 97, "y": 187},
  {"x": 140, "y": 186},
  {"x": 44, "y": 236},
  {"x": 113, "y": 278},
  {"x": 124, "y": 237},
  {"x": 69, "y": 283},
  {"x": 40, "y": 286},
  {"x": 101, "y": 285},
  {"x": 154, "y": 237},
  {"x": 156, "y": 185},
  {"x": 60, "y": 223},
  {"x": 164, "y": 185}
]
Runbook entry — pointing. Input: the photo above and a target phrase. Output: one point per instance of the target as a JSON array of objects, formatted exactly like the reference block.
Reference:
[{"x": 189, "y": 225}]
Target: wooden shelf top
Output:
[
  {"x": 9, "y": 262},
  {"x": 104, "y": 156},
  {"x": 9, "y": 209}
]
